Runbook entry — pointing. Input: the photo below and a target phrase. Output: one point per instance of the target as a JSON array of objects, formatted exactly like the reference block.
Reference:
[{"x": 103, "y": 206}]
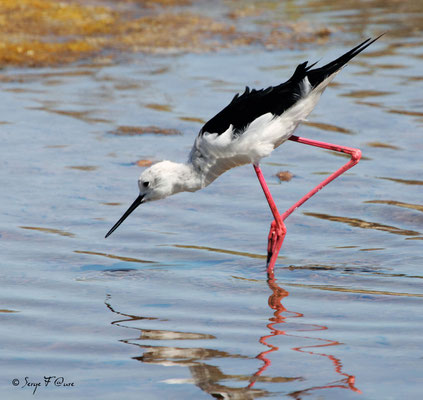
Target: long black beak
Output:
[{"x": 134, "y": 205}]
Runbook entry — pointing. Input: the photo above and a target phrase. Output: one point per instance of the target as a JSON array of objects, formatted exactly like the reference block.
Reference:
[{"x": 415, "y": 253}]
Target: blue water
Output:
[{"x": 176, "y": 303}]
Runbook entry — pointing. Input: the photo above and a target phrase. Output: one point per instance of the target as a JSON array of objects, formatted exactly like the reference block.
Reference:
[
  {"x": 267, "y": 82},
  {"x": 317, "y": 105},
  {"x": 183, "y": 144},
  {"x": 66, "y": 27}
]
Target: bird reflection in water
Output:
[
  {"x": 279, "y": 317},
  {"x": 209, "y": 378}
]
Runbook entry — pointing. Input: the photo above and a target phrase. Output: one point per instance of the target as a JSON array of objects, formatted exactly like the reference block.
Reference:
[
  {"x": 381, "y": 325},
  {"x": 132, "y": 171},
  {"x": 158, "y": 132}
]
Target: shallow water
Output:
[{"x": 176, "y": 303}]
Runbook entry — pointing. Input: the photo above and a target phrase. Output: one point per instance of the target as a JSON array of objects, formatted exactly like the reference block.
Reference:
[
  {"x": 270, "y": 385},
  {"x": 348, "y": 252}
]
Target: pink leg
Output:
[{"x": 278, "y": 229}]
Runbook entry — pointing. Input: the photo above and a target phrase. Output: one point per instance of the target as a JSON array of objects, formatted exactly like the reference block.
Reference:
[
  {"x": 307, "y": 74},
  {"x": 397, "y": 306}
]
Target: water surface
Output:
[{"x": 176, "y": 303}]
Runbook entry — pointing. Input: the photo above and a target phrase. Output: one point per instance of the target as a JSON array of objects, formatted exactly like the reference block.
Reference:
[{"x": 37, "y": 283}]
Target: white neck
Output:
[{"x": 185, "y": 178}]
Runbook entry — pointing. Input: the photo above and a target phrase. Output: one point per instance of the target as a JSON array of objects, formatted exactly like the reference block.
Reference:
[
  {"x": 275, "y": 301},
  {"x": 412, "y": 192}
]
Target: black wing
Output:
[{"x": 245, "y": 108}]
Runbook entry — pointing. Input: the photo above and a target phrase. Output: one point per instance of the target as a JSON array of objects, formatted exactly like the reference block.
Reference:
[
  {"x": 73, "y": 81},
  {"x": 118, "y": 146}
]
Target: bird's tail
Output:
[{"x": 318, "y": 75}]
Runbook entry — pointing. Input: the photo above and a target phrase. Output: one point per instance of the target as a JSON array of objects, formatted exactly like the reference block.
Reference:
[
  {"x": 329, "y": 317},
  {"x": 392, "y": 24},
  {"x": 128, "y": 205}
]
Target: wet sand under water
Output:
[{"x": 176, "y": 304}]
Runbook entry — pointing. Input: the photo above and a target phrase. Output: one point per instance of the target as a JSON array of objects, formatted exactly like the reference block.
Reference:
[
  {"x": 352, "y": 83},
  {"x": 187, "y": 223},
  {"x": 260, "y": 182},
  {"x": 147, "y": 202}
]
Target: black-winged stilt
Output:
[{"x": 244, "y": 132}]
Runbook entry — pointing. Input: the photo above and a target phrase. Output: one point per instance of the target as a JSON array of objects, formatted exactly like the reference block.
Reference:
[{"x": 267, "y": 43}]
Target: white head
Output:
[
  {"x": 159, "y": 181},
  {"x": 162, "y": 180}
]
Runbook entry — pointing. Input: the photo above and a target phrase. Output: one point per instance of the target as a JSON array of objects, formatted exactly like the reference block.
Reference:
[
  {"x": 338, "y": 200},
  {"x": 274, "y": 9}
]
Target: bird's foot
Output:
[{"x": 276, "y": 236}]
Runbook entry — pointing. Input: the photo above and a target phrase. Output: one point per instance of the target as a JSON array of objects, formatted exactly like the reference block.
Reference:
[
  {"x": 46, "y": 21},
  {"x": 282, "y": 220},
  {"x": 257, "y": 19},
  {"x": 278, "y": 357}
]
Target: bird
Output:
[{"x": 248, "y": 129}]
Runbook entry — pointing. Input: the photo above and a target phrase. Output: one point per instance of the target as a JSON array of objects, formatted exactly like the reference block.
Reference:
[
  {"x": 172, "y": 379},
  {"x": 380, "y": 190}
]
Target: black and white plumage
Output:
[{"x": 248, "y": 129}]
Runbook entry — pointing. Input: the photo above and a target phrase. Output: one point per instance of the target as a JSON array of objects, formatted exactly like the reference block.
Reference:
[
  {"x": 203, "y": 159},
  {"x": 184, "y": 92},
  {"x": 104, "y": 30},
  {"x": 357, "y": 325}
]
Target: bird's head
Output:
[
  {"x": 155, "y": 183},
  {"x": 158, "y": 181}
]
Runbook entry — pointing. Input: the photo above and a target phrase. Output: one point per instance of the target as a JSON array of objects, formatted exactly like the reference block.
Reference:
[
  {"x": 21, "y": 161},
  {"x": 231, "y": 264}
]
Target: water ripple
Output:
[
  {"x": 418, "y": 207},
  {"x": 359, "y": 223}
]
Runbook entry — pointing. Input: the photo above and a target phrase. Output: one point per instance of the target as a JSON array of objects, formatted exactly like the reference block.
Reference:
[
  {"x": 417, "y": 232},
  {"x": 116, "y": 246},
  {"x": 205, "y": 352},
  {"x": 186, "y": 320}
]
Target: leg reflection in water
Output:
[
  {"x": 204, "y": 363},
  {"x": 280, "y": 316}
]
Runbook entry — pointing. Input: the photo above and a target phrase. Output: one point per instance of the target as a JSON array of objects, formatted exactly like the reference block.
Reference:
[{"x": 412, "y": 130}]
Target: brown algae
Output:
[{"x": 48, "y": 32}]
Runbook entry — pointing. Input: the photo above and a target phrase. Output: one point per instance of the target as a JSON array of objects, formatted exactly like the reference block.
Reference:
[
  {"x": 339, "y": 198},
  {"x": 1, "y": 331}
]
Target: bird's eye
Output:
[{"x": 146, "y": 184}]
